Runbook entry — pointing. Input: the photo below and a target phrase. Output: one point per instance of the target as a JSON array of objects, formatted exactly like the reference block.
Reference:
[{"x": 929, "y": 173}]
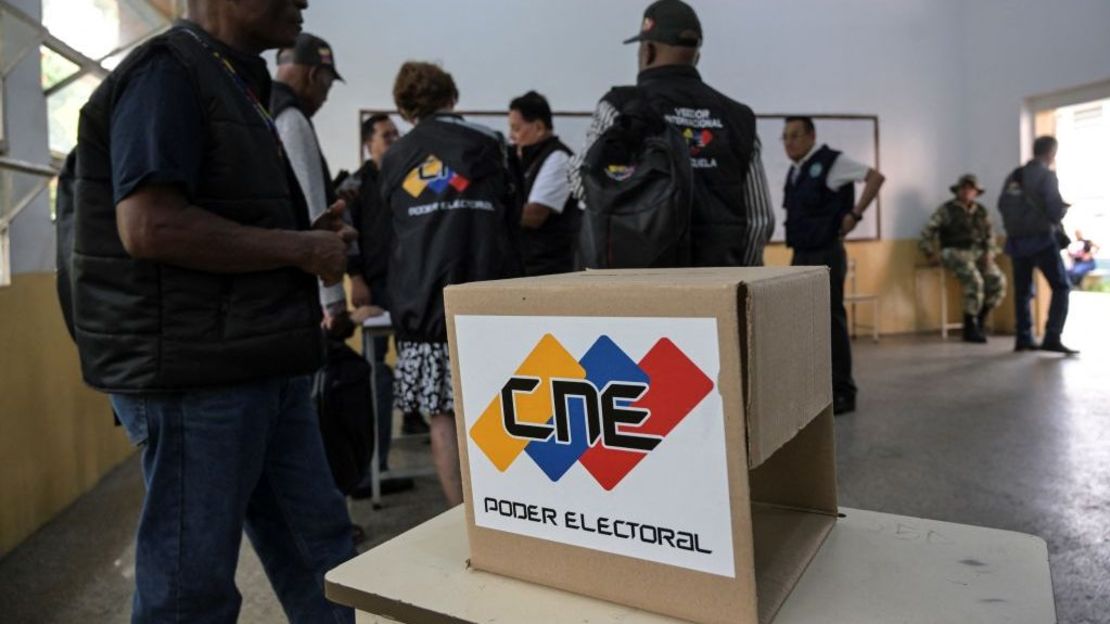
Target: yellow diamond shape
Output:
[{"x": 546, "y": 361}]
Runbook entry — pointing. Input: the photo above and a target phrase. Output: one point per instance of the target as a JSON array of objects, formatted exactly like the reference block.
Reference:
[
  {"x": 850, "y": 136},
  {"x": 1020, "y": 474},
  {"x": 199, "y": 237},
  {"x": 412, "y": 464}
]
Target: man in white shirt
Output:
[
  {"x": 550, "y": 218},
  {"x": 305, "y": 74},
  {"x": 821, "y": 209}
]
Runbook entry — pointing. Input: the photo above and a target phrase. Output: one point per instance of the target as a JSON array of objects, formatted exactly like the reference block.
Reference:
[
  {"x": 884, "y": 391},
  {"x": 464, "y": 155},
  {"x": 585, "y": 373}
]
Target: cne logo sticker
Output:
[
  {"x": 602, "y": 410},
  {"x": 433, "y": 174},
  {"x": 697, "y": 139},
  {"x": 620, "y": 173}
]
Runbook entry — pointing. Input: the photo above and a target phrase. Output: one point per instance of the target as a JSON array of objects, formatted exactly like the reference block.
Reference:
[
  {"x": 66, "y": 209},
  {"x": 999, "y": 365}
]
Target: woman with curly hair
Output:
[{"x": 450, "y": 190}]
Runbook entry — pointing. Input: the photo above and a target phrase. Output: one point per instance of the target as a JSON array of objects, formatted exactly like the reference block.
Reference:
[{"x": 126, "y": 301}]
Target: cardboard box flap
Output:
[
  {"x": 787, "y": 359},
  {"x": 785, "y": 542}
]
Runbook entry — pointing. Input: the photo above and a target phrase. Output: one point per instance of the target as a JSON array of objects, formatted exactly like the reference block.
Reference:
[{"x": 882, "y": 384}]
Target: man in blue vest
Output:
[{"x": 821, "y": 209}]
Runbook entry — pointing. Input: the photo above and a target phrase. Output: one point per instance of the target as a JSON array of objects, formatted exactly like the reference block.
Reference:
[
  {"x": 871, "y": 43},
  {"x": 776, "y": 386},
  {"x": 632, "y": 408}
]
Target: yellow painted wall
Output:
[
  {"x": 56, "y": 436},
  {"x": 909, "y": 296}
]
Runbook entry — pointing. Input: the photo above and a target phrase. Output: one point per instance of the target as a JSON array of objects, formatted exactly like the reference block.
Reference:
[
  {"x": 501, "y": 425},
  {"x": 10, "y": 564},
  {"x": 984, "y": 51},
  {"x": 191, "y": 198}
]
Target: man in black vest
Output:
[
  {"x": 195, "y": 307},
  {"x": 550, "y": 217},
  {"x": 732, "y": 219},
  {"x": 305, "y": 74},
  {"x": 820, "y": 210}
]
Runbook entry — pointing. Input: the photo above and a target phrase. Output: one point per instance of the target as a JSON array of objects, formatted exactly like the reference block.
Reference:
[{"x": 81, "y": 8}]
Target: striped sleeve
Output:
[
  {"x": 761, "y": 215},
  {"x": 604, "y": 117}
]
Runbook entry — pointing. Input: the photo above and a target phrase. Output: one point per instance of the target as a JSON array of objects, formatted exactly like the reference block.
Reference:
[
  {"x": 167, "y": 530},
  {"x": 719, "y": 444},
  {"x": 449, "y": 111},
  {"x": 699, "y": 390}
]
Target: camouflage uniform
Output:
[{"x": 966, "y": 243}]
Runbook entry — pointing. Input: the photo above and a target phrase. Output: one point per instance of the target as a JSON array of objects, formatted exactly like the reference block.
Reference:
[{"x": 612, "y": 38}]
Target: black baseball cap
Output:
[
  {"x": 309, "y": 50},
  {"x": 672, "y": 22}
]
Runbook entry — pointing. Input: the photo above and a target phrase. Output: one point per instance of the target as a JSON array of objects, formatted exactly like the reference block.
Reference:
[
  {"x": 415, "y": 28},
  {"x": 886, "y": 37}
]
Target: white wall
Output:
[
  {"x": 1015, "y": 49},
  {"x": 946, "y": 77},
  {"x": 32, "y": 233},
  {"x": 895, "y": 59}
]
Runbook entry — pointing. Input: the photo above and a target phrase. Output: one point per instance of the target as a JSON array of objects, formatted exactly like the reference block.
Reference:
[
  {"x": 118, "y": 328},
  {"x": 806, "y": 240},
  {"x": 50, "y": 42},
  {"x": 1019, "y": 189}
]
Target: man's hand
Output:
[
  {"x": 348, "y": 194},
  {"x": 325, "y": 255},
  {"x": 360, "y": 292},
  {"x": 332, "y": 218},
  {"x": 339, "y": 325},
  {"x": 848, "y": 224}
]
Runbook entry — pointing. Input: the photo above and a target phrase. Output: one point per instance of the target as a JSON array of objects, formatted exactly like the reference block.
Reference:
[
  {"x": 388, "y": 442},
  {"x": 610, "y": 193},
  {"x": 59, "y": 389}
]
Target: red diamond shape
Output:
[{"x": 677, "y": 386}]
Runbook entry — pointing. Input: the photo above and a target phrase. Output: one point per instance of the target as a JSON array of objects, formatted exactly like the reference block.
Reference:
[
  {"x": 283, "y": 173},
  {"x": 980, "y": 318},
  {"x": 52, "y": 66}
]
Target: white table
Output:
[{"x": 873, "y": 568}]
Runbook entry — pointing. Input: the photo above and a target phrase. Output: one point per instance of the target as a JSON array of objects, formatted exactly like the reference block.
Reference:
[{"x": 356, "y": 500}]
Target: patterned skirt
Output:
[{"x": 422, "y": 378}]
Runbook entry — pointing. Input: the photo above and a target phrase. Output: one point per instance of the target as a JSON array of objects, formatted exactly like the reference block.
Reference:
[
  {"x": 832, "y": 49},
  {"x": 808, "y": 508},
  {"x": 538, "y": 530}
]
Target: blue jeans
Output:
[
  {"x": 1052, "y": 267},
  {"x": 220, "y": 461}
]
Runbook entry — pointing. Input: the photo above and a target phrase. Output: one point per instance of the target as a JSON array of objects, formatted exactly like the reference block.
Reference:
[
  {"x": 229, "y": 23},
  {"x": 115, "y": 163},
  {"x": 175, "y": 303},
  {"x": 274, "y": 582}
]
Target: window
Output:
[
  {"x": 98, "y": 35},
  {"x": 78, "y": 43}
]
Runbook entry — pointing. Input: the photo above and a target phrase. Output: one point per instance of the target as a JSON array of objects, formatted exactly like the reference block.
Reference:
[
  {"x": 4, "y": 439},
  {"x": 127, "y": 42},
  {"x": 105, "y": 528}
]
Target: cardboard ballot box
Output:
[{"x": 658, "y": 438}]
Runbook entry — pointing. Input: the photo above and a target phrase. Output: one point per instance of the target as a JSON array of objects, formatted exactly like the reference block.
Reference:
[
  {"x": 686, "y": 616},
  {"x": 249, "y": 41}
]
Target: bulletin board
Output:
[{"x": 855, "y": 135}]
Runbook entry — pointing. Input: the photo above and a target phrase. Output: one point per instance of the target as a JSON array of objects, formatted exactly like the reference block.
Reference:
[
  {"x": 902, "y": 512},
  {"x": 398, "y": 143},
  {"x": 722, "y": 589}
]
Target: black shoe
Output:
[
  {"x": 981, "y": 319},
  {"x": 1026, "y": 346},
  {"x": 844, "y": 404},
  {"x": 358, "y": 534},
  {"x": 389, "y": 485},
  {"x": 1055, "y": 346},
  {"x": 972, "y": 333},
  {"x": 413, "y": 424}
]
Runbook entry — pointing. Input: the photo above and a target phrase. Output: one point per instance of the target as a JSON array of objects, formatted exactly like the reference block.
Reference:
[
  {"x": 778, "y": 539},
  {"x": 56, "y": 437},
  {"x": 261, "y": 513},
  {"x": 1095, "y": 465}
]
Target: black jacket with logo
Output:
[
  {"x": 549, "y": 248},
  {"x": 455, "y": 214},
  {"x": 721, "y": 134},
  {"x": 144, "y": 326}
]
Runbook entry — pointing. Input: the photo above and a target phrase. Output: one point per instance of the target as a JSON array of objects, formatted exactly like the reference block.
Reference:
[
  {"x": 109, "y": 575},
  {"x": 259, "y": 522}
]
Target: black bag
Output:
[
  {"x": 638, "y": 185},
  {"x": 1023, "y": 214},
  {"x": 344, "y": 400},
  {"x": 64, "y": 215}
]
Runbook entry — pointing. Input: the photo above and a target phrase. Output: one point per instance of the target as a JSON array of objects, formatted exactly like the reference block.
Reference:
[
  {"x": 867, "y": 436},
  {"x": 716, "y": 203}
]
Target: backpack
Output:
[
  {"x": 65, "y": 207},
  {"x": 1022, "y": 213},
  {"x": 343, "y": 398},
  {"x": 638, "y": 188}
]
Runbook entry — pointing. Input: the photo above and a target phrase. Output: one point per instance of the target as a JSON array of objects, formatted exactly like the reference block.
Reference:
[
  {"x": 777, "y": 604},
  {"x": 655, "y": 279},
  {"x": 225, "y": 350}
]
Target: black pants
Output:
[
  {"x": 1052, "y": 267},
  {"x": 834, "y": 257}
]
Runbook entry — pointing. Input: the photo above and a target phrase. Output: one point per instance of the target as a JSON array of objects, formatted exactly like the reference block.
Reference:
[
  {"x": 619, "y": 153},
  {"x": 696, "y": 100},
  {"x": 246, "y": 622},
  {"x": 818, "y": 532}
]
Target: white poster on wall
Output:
[{"x": 603, "y": 433}]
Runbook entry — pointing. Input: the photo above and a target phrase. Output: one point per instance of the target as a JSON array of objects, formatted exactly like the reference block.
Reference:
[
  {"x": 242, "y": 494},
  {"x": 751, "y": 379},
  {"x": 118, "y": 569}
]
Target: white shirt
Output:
[
  {"x": 303, "y": 151},
  {"x": 552, "y": 186},
  {"x": 843, "y": 171}
]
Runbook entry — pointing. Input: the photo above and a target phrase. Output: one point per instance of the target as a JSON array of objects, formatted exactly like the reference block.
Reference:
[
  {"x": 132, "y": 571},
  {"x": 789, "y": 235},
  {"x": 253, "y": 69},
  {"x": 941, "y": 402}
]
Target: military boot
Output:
[
  {"x": 972, "y": 333},
  {"x": 981, "y": 320}
]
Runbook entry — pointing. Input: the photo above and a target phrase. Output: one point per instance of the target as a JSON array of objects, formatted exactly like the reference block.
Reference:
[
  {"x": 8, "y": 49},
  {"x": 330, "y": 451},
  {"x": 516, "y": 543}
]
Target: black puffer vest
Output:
[
  {"x": 144, "y": 326},
  {"x": 549, "y": 248}
]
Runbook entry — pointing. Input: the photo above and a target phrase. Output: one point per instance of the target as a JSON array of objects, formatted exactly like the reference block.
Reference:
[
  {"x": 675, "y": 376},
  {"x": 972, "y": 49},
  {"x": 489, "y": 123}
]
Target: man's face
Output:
[
  {"x": 269, "y": 23},
  {"x": 320, "y": 79},
  {"x": 522, "y": 132},
  {"x": 385, "y": 135},
  {"x": 967, "y": 193},
  {"x": 1051, "y": 158},
  {"x": 797, "y": 140}
]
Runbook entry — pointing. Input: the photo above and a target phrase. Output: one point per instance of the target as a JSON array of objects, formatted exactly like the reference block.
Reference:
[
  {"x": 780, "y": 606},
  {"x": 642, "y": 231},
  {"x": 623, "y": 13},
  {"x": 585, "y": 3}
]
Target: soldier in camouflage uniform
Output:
[{"x": 959, "y": 235}]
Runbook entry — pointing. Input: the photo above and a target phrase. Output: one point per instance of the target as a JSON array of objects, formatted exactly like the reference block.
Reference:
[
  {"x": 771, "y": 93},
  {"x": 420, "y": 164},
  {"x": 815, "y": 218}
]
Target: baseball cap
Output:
[
  {"x": 309, "y": 50},
  {"x": 671, "y": 22}
]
